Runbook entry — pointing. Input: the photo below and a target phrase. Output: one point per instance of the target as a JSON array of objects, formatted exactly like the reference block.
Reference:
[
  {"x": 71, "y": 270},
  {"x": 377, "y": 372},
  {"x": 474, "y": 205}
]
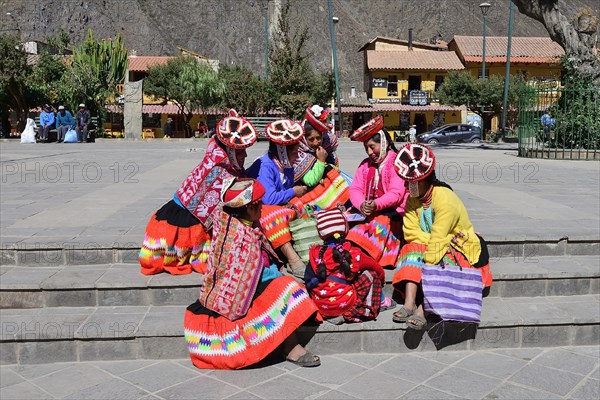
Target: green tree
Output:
[
  {"x": 98, "y": 66},
  {"x": 24, "y": 85},
  {"x": 14, "y": 74},
  {"x": 189, "y": 83},
  {"x": 247, "y": 93},
  {"x": 462, "y": 88},
  {"x": 295, "y": 82},
  {"x": 577, "y": 109}
]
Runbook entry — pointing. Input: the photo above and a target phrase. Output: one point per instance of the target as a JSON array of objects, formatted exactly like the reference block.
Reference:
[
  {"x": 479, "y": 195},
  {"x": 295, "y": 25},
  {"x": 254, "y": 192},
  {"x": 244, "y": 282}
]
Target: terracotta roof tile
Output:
[
  {"x": 405, "y": 107},
  {"x": 142, "y": 63},
  {"x": 398, "y": 107},
  {"x": 167, "y": 109},
  {"x": 523, "y": 49},
  {"x": 426, "y": 60}
]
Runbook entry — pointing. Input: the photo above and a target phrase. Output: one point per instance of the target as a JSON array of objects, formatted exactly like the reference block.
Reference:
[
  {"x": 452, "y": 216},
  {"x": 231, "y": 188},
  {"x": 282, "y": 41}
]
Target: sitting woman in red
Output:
[
  {"x": 246, "y": 309},
  {"x": 345, "y": 283},
  {"x": 178, "y": 235}
]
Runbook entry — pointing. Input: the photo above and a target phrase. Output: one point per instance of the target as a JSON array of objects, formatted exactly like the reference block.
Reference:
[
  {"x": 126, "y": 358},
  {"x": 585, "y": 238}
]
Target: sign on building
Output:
[
  {"x": 380, "y": 83},
  {"x": 417, "y": 98}
]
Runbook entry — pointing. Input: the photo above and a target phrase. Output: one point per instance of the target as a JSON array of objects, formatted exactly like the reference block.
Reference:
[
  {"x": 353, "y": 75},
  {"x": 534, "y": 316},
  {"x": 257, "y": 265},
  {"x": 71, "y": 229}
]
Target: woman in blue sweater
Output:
[{"x": 275, "y": 171}]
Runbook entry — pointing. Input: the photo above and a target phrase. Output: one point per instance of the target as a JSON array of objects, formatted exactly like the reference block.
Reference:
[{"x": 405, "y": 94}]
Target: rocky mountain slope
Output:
[{"x": 232, "y": 30}]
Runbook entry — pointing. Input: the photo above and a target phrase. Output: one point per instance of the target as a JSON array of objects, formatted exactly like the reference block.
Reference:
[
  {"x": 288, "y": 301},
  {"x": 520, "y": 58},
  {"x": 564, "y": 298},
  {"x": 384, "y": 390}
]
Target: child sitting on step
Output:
[{"x": 344, "y": 282}]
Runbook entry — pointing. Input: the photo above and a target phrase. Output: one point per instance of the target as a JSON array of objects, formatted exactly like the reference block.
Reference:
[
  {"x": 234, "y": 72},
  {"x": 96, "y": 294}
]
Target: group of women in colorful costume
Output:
[{"x": 232, "y": 225}]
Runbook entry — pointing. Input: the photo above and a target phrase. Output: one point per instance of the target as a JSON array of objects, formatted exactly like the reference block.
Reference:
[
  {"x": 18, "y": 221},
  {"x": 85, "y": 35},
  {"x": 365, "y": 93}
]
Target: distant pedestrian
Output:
[
  {"x": 83, "y": 121},
  {"x": 547, "y": 123},
  {"x": 168, "y": 128},
  {"x": 64, "y": 122},
  {"x": 412, "y": 134},
  {"x": 46, "y": 122}
]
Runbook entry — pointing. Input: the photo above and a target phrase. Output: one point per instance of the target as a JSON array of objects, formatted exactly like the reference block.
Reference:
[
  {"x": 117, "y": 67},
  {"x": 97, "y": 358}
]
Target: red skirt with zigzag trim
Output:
[
  {"x": 215, "y": 342},
  {"x": 377, "y": 239},
  {"x": 275, "y": 220}
]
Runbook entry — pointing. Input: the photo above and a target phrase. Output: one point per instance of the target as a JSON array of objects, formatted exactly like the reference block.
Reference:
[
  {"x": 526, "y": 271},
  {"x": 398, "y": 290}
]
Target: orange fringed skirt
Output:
[
  {"x": 275, "y": 220},
  {"x": 278, "y": 309},
  {"x": 175, "y": 242}
]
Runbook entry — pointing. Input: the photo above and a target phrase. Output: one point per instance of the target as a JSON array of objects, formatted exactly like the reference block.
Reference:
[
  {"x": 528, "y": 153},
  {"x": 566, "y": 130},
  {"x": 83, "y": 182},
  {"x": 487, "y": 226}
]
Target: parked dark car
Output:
[{"x": 451, "y": 133}]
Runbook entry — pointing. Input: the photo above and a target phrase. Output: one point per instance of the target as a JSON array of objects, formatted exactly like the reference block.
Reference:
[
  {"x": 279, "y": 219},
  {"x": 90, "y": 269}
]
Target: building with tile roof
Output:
[
  {"x": 536, "y": 59},
  {"x": 400, "y": 80}
]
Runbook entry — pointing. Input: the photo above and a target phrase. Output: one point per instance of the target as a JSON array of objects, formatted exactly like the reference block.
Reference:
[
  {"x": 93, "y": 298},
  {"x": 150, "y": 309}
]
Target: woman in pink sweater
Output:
[{"x": 379, "y": 193}]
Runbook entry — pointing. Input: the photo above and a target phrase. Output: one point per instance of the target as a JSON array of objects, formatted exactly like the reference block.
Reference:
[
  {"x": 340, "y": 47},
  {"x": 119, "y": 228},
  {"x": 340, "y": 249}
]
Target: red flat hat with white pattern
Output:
[
  {"x": 414, "y": 162},
  {"x": 316, "y": 116},
  {"x": 236, "y": 132},
  {"x": 239, "y": 192},
  {"x": 368, "y": 130},
  {"x": 284, "y": 132}
]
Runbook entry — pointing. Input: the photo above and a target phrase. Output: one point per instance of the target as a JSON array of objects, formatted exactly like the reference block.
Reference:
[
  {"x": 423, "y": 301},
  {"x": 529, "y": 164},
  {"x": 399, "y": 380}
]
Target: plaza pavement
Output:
[
  {"x": 104, "y": 193},
  {"x": 531, "y": 373}
]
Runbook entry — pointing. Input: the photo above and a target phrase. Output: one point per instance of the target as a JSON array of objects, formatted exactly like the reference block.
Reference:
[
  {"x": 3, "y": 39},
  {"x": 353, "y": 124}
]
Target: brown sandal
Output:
[{"x": 306, "y": 360}]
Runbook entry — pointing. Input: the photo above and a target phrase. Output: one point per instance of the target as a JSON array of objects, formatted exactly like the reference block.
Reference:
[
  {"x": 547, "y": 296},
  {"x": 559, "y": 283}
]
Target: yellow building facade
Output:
[
  {"x": 536, "y": 59},
  {"x": 401, "y": 78}
]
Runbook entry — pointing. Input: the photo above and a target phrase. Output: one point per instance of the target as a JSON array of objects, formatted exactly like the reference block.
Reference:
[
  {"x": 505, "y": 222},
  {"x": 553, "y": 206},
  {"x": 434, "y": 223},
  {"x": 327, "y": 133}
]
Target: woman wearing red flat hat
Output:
[
  {"x": 317, "y": 147},
  {"x": 275, "y": 171},
  {"x": 317, "y": 164},
  {"x": 178, "y": 234},
  {"x": 379, "y": 193},
  {"x": 436, "y": 228},
  {"x": 246, "y": 309}
]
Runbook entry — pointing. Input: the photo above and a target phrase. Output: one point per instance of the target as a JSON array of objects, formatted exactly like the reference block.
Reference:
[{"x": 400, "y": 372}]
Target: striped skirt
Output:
[
  {"x": 215, "y": 342},
  {"x": 377, "y": 239},
  {"x": 175, "y": 242},
  {"x": 410, "y": 263}
]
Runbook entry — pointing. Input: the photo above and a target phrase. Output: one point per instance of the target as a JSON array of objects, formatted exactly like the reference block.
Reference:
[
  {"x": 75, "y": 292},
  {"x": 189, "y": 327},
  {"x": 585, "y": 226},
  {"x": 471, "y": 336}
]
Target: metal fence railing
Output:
[{"x": 559, "y": 123}]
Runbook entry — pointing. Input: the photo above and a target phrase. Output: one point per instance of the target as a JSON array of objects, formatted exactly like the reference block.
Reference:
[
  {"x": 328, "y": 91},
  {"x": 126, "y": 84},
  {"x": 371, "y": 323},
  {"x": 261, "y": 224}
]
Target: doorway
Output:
[{"x": 420, "y": 122}]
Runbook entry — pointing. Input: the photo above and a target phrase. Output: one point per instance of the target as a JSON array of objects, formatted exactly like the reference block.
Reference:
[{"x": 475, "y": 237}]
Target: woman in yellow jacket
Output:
[{"x": 436, "y": 228}]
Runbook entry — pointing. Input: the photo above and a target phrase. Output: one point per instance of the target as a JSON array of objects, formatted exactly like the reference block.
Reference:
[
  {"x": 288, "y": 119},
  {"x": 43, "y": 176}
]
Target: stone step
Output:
[
  {"x": 31, "y": 254},
  {"x": 62, "y": 334},
  {"x": 124, "y": 285}
]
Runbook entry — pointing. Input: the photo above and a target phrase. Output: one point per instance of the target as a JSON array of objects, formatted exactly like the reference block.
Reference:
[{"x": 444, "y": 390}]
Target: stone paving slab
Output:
[
  {"x": 531, "y": 373},
  {"x": 114, "y": 187}
]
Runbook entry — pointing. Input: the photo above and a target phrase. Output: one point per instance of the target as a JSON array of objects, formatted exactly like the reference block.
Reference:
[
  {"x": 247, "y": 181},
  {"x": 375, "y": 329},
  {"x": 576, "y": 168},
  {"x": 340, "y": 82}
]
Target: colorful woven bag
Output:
[
  {"x": 234, "y": 268},
  {"x": 451, "y": 292},
  {"x": 304, "y": 233}
]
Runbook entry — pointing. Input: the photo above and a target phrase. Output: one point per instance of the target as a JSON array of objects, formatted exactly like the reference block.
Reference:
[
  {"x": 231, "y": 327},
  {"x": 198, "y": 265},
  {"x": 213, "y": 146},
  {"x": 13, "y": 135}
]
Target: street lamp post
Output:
[
  {"x": 511, "y": 13},
  {"x": 333, "y": 20},
  {"x": 484, "y": 10}
]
